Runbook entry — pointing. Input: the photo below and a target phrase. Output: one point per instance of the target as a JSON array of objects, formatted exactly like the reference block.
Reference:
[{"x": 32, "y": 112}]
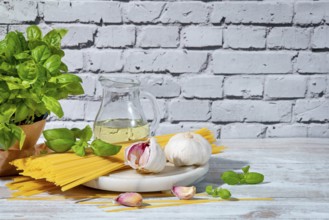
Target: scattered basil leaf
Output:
[
  {"x": 218, "y": 192},
  {"x": 224, "y": 193},
  {"x": 102, "y": 148},
  {"x": 245, "y": 169},
  {"x": 79, "y": 148},
  {"x": 209, "y": 189},
  {"x": 233, "y": 178},
  {"x": 230, "y": 177},
  {"x": 84, "y": 134},
  {"x": 58, "y": 133},
  {"x": 254, "y": 178},
  {"x": 60, "y": 145}
]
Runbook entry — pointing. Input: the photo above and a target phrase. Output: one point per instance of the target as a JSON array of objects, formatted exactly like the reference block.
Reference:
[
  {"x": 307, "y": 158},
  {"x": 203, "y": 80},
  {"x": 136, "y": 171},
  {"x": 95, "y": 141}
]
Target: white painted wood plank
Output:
[{"x": 296, "y": 177}]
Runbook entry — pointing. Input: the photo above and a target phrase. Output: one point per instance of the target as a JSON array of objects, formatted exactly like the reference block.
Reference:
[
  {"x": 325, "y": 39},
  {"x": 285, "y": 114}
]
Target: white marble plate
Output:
[{"x": 131, "y": 181}]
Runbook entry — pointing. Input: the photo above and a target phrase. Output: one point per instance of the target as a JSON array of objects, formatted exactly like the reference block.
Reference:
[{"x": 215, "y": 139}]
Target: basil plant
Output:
[{"x": 32, "y": 80}]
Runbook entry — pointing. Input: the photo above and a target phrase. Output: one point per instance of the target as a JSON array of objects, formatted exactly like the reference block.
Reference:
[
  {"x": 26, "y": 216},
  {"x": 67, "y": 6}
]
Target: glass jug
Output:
[{"x": 121, "y": 117}]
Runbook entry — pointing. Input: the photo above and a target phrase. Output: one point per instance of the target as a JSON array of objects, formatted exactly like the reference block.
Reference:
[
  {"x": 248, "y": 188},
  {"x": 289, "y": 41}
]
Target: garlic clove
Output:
[
  {"x": 146, "y": 157},
  {"x": 129, "y": 199},
  {"x": 183, "y": 192},
  {"x": 185, "y": 149}
]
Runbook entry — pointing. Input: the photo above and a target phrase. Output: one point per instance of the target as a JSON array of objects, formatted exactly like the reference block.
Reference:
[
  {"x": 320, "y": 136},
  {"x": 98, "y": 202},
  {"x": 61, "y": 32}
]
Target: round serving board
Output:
[{"x": 131, "y": 181}]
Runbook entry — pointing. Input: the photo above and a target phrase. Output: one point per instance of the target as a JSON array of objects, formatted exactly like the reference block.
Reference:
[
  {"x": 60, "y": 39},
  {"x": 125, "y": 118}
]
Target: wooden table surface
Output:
[{"x": 296, "y": 177}]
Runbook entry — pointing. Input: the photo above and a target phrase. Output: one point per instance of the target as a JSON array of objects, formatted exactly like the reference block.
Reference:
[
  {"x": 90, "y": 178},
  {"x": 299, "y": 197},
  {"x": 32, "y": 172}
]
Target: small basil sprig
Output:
[
  {"x": 62, "y": 139},
  {"x": 218, "y": 192},
  {"x": 232, "y": 178}
]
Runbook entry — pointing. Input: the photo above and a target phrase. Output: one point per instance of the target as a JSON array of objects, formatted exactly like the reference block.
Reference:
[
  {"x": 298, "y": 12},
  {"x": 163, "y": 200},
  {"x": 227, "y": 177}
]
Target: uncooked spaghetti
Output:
[{"x": 68, "y": 170}]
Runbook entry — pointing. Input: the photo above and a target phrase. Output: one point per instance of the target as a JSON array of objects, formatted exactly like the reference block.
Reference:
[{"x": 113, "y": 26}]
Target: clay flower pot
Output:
[{"x": 33, "y": 132}]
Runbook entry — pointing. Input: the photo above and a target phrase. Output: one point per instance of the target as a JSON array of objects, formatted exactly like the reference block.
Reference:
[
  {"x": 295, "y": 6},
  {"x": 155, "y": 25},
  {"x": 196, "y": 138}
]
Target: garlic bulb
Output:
[
  {"x": 184, "y": 192},
  {"x": 146, "y": 157},
  {"x": 185, "y": 149}
]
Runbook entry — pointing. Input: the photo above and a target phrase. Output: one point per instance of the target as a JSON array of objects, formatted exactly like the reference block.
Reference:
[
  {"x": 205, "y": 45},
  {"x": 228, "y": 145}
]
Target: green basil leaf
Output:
[
  {"x": 60, "y": 145},
  {"x": 28, "y": 71},
  {"x": 241, "y": 176},
  {"x": 14, "y": 40},
  {"x": 74, "y": 88},
  {"x": 62, "y": 32},
  {"x": 53, "y": 63},
  {"x": 16, "y": 85},
  {"x": 13, "y": 80},
  {"x": 224, "y": 193},
  {"x": 84, "y": 134},
  {"x": 102, "y": 148},
  {"x": 35, "y": 43},
  {"x": 53, "y": 105},
  {"x": 209, "y": 190},
  {"x": 65, "y": 78},
  {"x": 18, "y": 134},
  {"x": 4, "y": 92},
  {"x": 41, "y": 53},
  {"x": 230, "y": 177},
  {"x": 22, "y": 40},
  {"x": 22, "y": 112},
  {"x": 33, "y": 33},
  {"x": 245, "y": 169},
  {"x": 8, "y": 69},
  {"x": 22, "y": 56},
  {"x": 58, "y": 133},
  {"x": 7, "y": 138},
  {"x": 2, "y": 46},
  {"x": 13, "y": 45},
  {"x": 63, "y": 67},
  {"x": 254, "y": 178},
  {"x": 57, "y": 51},
  {"x": 79, "y": 148},
  {"x": 53, "y": 38},
  {"x": 6, "y": 112}
]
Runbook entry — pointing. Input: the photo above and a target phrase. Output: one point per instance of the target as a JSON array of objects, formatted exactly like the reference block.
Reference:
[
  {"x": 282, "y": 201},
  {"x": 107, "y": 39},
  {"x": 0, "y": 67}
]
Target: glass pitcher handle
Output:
[{"x": 156, "y": 112}]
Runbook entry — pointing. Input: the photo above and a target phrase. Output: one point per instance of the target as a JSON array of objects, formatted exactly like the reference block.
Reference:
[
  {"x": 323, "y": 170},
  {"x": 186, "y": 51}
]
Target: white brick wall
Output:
[
  {"x": 288, "y": 38},
  {"x": 251, "y": 111},
  {"x": 228, "y": 62},
  {"x": 196, "y": 36},
  {"x": 244, "y": 86},
  {"x": 115, "y": 36},
  {"x": 154, "y": 36},
  {"x": 285, "y": 87},
  {"x": 240, "y": 37},
  {"x": 244, "y": 69}
]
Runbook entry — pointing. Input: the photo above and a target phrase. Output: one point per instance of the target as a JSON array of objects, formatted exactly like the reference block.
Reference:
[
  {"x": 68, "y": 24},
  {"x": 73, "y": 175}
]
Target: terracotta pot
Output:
[{"x": 33, "y": 133}]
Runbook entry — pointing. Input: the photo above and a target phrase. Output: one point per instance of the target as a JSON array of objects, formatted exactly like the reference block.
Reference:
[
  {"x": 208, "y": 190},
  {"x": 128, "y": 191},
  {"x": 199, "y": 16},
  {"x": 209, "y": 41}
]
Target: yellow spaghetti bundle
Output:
[{"x": 68, "y": 170}]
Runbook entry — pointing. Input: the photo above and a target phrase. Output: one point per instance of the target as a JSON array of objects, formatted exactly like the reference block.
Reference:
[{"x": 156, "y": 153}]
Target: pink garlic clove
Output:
[
  {"x": 183, "y": 192},
  {"x": 145, "y": 156},
  {"x": 129, "y": 199}
]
